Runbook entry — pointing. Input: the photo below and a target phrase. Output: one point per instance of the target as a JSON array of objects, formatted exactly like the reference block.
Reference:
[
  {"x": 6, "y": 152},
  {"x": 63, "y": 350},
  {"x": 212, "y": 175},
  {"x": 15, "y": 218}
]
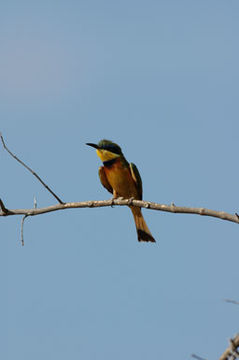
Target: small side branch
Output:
[
  {"x": 22, "y": 233},
  {"x": 31, "y": 171},
  {"x": 232, "y": 351},
  {"x": 197, "y": 357}
]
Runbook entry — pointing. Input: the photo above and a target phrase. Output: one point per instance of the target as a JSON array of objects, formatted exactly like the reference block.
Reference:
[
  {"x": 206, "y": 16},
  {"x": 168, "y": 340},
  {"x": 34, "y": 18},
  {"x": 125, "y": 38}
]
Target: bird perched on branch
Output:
[{"x": 122, "y": 180}]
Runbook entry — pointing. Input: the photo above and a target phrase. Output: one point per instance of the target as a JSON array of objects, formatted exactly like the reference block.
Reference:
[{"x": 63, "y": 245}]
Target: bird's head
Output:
[{"x": 107, "y": 150}]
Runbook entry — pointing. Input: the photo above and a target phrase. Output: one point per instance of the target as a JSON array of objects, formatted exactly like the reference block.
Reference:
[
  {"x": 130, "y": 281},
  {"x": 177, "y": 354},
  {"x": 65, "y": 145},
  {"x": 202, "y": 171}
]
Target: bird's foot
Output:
[
  {"x": 130, "y": 200},
  {"x": 115, "y": 198},
  {"x": 112, "y": 201}
]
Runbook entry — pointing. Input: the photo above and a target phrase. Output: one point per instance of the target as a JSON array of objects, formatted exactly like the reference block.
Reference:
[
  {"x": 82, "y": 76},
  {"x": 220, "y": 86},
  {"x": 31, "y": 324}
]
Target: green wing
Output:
[
  {"x": 104, "y": 180},
  {"x": 137, "y": 178}
]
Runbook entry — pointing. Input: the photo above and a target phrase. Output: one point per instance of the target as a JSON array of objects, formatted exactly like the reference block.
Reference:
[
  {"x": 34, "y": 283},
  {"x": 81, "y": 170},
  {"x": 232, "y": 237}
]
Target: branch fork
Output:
[{"x": 5, "y": 211}]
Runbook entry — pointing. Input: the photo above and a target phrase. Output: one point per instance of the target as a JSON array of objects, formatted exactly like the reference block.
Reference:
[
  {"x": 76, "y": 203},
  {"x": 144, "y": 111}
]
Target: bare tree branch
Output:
[
  {"x": 31, "y": 171},
  {"x": 119, "y": 202},
  {"x": 123, "y": 202},
  {"x": 232, "y": 351}
]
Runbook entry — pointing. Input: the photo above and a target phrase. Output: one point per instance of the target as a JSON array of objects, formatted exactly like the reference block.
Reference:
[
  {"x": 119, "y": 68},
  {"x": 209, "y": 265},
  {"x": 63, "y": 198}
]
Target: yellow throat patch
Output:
[{"x": 106, "y": 155}]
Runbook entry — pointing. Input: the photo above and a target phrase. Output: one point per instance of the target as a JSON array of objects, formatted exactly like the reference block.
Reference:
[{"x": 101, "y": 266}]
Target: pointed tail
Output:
[{"x": 141, "y": 227}]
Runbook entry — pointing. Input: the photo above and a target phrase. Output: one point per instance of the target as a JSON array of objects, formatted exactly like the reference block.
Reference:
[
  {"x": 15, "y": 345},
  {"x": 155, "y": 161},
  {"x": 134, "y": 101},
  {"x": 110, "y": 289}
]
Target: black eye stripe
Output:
[{"x": 112, "y": 148}]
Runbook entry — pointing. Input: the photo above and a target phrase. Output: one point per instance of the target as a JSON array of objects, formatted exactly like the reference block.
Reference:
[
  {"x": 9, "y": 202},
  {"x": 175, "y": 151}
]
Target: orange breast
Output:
[{"x": 119, "y": 177}]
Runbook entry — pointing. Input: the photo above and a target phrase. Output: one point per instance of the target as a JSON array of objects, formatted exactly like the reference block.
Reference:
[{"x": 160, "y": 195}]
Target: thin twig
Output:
[
  {"x": 197, "y": 357},
  {"x": 31, "y": 171},
  {"x": 22, "y": 233},
  {"x": 232, "y": 301},
  {"x": 126, "y": 202}
]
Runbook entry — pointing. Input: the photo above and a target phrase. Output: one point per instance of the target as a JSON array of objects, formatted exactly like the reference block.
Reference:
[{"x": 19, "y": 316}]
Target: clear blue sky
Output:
[{"x": 161, "y": 79}]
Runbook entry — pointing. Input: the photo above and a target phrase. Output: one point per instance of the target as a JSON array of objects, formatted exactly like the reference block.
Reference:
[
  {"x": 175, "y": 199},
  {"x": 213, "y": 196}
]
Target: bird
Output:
[{"x": 123, "y": 180}]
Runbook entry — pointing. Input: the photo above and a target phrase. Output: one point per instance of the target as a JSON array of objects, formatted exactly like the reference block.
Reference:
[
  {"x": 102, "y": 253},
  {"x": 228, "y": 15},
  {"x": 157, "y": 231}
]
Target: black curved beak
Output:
[{"x": 93, "y": 145}]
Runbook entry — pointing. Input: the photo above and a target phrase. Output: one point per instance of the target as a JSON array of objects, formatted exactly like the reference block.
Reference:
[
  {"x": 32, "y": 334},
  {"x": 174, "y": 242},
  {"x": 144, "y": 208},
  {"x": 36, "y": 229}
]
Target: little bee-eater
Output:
[{"x": 122, "y": 180}]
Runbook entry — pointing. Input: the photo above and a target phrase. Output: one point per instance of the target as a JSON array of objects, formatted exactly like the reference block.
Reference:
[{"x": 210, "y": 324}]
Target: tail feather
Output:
[{"x": 142, "y": 229}]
